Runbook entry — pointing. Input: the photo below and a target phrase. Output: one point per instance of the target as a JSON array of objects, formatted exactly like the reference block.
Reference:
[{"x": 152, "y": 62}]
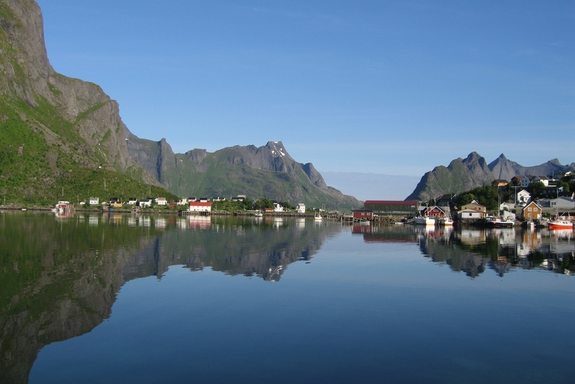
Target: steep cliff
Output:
[{"x": 51, "y": 125}]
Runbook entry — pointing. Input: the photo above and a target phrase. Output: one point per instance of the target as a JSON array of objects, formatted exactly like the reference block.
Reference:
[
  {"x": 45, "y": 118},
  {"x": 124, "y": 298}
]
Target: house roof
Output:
[{"x": 391, "y": 202}]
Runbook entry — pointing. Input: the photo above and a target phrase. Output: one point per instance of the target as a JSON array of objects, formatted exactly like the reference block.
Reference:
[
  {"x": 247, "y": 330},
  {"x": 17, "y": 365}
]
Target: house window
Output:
[{"x": 529, "y": 209}]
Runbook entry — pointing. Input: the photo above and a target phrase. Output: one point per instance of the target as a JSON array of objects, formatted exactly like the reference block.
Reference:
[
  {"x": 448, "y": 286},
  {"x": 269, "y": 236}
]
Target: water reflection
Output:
[
  {"x": 60, "y": 278},
  {"x": 474, "y": 251}
]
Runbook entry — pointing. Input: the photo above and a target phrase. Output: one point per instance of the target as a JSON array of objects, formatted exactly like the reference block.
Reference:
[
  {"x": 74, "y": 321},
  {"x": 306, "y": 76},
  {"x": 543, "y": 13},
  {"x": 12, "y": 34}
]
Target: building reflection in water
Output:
[{"x": 474, "y": 251}]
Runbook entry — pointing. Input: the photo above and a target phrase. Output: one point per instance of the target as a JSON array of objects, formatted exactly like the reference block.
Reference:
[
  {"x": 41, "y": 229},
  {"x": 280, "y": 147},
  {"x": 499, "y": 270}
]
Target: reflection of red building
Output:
[
  {"x": 361, "y": 229},
  {"x": 200, "y": 222}
]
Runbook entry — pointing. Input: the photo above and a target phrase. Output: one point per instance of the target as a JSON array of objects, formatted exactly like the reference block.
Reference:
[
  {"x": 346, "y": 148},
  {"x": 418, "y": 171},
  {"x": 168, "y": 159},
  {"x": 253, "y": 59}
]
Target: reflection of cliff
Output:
[
  {"x": 236, "y": 248},
  {"x": 59, "y": 280}
]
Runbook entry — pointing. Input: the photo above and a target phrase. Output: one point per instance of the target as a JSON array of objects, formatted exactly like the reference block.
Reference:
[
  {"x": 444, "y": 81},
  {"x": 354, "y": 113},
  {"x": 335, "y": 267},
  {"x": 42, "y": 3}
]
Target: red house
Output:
[{"x": 362, "y": 214}]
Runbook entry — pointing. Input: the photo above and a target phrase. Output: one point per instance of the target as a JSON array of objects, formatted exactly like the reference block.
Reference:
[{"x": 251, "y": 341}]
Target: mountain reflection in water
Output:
[
  {"x": 474, "y": 251},
  {"x": 60, "y": 276}
]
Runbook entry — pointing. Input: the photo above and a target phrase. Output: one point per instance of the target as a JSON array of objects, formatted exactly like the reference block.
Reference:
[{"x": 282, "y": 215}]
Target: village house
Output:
[
  {"x": 115, "y": 202},
  {"x": 522, "y": 197},
  {"x": 542, "y": 179},
  {"x": 132, "y": 201},
  {"x": 183, "y": 201},
  {"x": 531, "y": 211},
  {"x": 562, "y": 203},
  {"x": 278, "y": 207},
  {"x": 94, "y": 201},
  {"x": 161, "y": 201},
  {"x": 200, "y": 206},
  {"x": 362, "y": 214},
  {"x": 434, "y": 212},
  {"x": 300, "y": 208},
  {"x": 472, "y": 211},
  {"x": 522, "y": 181},
  {"x": 392, "y": 207},
  {"x": 145, "y": 203},
  {"x": 499, "y": 183}
]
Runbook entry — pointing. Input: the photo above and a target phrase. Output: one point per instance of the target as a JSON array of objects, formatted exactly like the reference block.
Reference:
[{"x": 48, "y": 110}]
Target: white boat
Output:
[
  {"x": 318, "y": 217},
  {"x": 446, "y": 221},
  {"x": 258, "y": 214},
  {"x": 498, "y": 222},
  {"x": 424, "y": 220}
]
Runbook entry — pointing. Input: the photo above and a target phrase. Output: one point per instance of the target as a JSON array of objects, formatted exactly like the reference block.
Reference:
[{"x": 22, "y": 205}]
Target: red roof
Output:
[
  {"x": 391, "y": 202},
  {"x": 200, "y": 204}
]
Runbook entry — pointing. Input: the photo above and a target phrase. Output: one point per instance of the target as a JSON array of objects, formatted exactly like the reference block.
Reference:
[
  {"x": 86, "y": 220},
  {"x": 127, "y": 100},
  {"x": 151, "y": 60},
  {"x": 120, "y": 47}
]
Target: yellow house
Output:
[{"x": 532, "y": 211}]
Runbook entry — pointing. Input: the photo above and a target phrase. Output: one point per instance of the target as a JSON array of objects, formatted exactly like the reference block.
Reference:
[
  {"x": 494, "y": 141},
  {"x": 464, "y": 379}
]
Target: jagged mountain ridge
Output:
[
  {"x": 465, "y": 174},
  {"x": 267, "y": 171}
]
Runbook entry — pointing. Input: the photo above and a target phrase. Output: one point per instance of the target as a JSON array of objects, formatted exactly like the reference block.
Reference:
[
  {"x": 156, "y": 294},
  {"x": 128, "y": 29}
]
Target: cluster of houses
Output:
[
  {"x": 523, "y": 207},
  {"x": 192, "y": 204}
]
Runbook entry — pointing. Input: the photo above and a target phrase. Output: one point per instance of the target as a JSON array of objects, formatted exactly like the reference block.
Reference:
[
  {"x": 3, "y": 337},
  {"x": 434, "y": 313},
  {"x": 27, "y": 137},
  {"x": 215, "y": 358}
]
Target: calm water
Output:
[{"x": 116, "y": 299}]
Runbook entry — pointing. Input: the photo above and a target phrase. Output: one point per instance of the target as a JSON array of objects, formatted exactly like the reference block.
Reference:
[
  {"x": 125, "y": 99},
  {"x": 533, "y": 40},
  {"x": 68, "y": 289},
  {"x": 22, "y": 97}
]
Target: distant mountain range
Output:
[
  {"x": 63, "y": 138},
  {"x": 267, "y": 171},
  {"x": 465, "y": 174}
]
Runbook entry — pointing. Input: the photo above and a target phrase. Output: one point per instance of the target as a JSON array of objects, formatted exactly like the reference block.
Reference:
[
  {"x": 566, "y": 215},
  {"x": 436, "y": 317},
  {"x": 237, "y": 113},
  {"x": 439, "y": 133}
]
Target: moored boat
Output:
[
  {"x": 446, "y": 221},
  {"x": 560, "y": 223},
  {"x": 498, "y": 222},
  {"x": 424, "y": 220}
]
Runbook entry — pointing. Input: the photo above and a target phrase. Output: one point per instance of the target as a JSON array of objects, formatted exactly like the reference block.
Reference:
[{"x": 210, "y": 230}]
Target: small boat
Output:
[
  {"x": 498, "y": 222},
  {"x": 424, "y": 220},
  {"x": 560, "y": 223},
  {"x": 318, "y": 217},
  {"x": 446, "y": 221},
  {"x": 258, "y": 214}
]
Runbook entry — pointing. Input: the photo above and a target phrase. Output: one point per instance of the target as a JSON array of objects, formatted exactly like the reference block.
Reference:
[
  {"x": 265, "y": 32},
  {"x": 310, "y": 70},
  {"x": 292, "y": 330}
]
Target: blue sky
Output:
[{"x": 384, "y": 87}]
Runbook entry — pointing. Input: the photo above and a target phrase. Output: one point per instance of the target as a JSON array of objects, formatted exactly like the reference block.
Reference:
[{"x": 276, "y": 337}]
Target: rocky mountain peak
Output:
[
  {"x": 277, "y": 149},
  {"x": 464, "y": 175}
]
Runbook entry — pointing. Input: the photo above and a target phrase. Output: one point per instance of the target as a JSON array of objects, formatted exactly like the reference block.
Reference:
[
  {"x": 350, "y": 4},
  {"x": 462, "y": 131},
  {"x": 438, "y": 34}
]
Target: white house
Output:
[
  {"x": 94, "y": 201},
  {"x": 469, "y": 214},
  {"x": 524, "y": 182},
  {"x": 200, "y": 206},
  {"x": 145, "y": 203},
  {"x": 161, "y": 201},
  {"x": 300, "y": 208},
  {"x": 562, "y": 203},
  {"x": 183, "y": 201},
  {"x": 132, "y": 201},
  {"x": 278, "y": 208},
  {"x": 542, "y": 179},
  {"x": 523, "y": 197}
]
